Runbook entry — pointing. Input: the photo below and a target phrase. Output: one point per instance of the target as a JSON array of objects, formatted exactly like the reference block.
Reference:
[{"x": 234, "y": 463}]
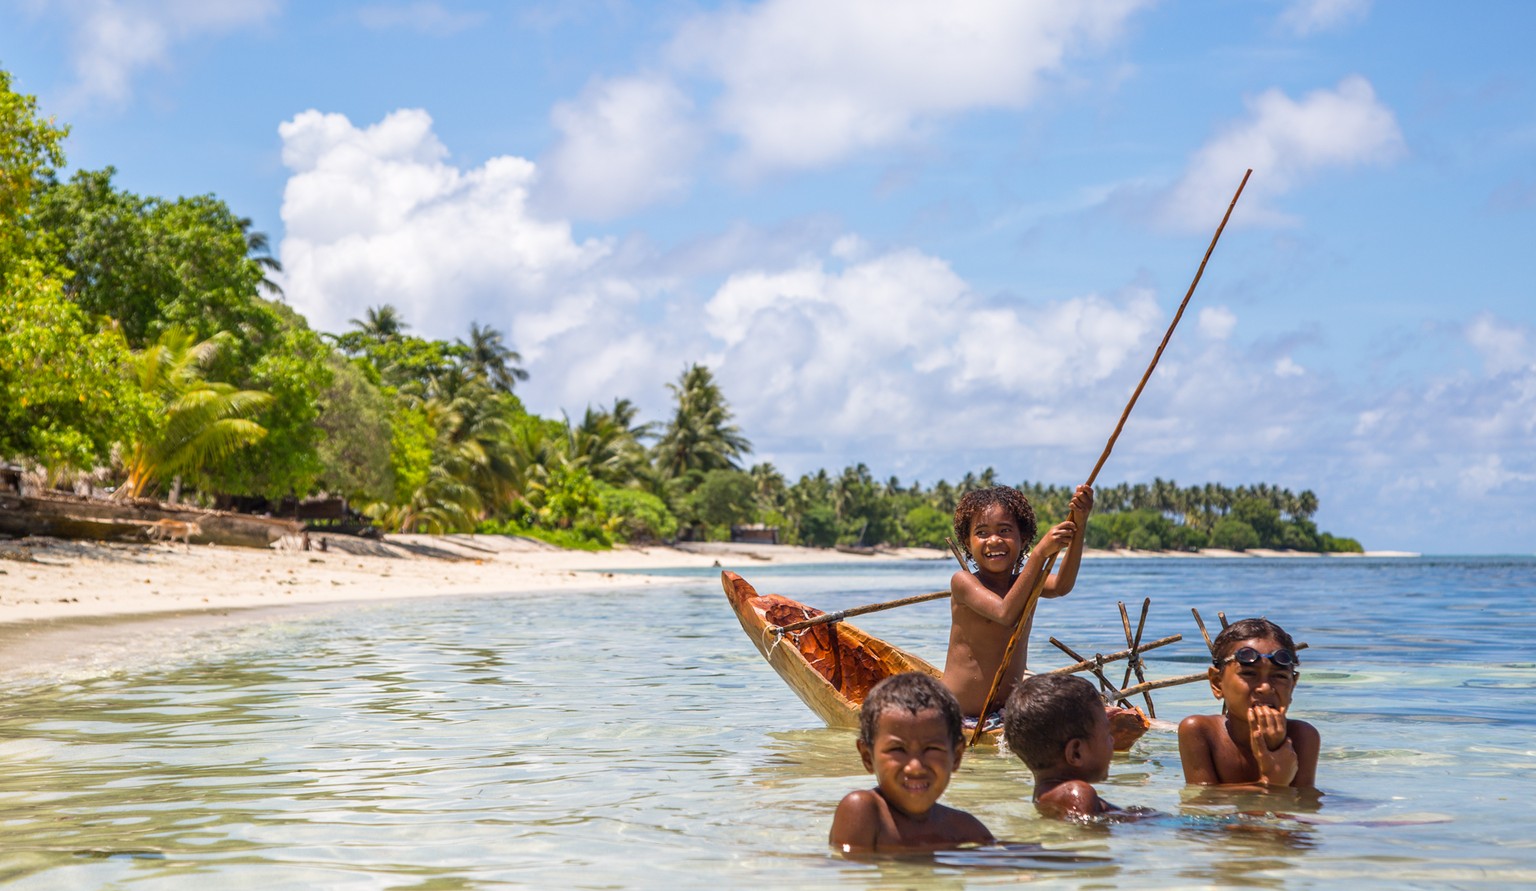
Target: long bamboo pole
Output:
[{"x": 1039, "y": 584}]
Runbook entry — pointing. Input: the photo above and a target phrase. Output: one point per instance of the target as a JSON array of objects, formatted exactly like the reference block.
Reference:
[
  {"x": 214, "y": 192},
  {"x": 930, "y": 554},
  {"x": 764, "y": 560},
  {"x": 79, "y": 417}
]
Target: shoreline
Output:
[{"x": 45, "y": 579}]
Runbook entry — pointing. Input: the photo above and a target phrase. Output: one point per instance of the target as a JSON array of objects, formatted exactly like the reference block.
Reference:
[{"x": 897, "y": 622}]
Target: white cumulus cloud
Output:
[
  {"x": 898, "y": 346},
  {"x": 623, "y": 144},
  {"x": 804, "y": 83},
  {"x": 1287, "y": 142},
  {"x": 377, "y": 215}
]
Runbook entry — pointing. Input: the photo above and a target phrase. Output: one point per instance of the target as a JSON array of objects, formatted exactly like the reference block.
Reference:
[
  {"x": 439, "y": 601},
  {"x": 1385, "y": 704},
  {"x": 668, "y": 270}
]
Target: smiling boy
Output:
[
  {"x": 995, "y": 525},
  {"x": 910, "y": 739}
]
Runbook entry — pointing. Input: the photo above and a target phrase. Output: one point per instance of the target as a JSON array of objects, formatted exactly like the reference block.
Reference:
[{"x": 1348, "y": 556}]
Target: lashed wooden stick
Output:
[
  {"x": 1097, "y": 668},
  {"x": 1134, "y": 664},
  {"x": 1039, "y": 585},
  {"x": 839, "y": 615},
  {"x": 1115, "y": 657}
]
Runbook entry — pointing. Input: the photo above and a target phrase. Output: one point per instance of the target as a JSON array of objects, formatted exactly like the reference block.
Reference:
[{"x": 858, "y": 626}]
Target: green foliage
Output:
[
  {"x": 1339, "y": 545},
  {"x": 584, "y": 538},
  {"x": 30, "y": 149},
  {"x": 67, "y": 398},
  {"x": 1233, "y": 534},
  {"x": 722, "y": 499},
  {"x": 356, "y": 436},
  {"x": 700, "y": 437},
  {"x": 927, "y": 526},
  {"x": 153, "y": 264},
  {"x": 199, "y": 424},
  {"x": 818, "y": 527},
  {"x": 636, "y": 516},
  {"x": 410, "y": 439},
  {"x": 294, "y": 367}
]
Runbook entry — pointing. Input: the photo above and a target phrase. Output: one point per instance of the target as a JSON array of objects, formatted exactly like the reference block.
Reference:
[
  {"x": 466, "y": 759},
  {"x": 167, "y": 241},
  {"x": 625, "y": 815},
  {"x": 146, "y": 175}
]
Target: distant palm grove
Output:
[{"x": 145, "y": 349}]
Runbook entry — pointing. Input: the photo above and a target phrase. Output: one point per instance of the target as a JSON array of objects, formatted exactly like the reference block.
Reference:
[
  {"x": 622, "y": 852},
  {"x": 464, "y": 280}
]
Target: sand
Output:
[{"x": 43, "y": 580}]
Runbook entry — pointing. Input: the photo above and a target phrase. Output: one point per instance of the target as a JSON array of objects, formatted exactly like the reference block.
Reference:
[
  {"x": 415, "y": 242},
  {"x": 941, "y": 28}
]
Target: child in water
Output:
[
  {"x": 995, "y": 525},
  {"x": 1057, "y": 726},
  {"x": 1252, "y": 742},
  {"x": 910, "y": 739}
]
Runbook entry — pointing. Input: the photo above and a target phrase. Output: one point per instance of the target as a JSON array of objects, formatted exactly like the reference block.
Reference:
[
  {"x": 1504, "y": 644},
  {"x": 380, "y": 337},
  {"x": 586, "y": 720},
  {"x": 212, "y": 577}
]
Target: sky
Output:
[{"x": 928, "y": 237}]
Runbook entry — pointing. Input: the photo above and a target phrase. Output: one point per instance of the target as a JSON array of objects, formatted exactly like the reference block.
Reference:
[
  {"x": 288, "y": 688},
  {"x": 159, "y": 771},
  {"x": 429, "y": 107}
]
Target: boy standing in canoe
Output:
[{"x": 995, "y": 525}]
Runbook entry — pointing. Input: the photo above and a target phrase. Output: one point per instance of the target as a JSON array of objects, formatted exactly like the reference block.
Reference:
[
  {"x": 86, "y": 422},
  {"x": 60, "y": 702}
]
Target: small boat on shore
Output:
[{"x": 832, "y": 667}]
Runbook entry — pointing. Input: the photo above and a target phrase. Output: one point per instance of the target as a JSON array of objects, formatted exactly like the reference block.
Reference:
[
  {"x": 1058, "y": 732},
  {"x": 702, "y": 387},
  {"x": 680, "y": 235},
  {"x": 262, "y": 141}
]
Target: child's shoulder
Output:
[
  {"x": 962, "y": 826},
  {"x": 1073, "y": 797},
  {"x": 1202, "y": 724}
]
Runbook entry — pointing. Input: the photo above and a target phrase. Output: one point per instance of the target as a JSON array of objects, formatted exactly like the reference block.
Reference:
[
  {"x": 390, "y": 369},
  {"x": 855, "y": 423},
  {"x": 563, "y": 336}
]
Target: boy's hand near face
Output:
[{"x": 1273, "y": 751}]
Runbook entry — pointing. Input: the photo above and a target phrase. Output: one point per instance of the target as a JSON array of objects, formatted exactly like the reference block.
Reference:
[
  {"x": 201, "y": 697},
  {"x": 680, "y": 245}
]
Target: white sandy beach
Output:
[{"x": 49, "y": 579}]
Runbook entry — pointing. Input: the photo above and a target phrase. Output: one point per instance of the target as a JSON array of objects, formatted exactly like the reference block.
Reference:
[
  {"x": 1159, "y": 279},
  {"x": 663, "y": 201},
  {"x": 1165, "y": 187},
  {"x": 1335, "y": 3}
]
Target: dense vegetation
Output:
[{"x": 143, "y": 347}]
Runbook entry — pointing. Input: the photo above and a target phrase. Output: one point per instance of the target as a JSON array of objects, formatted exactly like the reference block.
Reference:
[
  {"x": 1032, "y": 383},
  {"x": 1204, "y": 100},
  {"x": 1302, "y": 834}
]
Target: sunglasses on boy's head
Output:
[{"x": 1249, "y": 656}]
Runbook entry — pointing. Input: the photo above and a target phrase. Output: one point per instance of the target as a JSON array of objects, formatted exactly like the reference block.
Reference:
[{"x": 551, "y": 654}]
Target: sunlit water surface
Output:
[{"x": 637, "y": 740}]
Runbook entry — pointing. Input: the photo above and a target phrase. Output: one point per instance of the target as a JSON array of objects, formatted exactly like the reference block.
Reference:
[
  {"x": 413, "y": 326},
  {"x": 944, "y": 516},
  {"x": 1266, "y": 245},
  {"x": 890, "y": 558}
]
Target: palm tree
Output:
[
  {"x": 259, "y": 249},
  {"x": 202, "y": 421},
  {"x": 608, "y": 443},
  {"x": 700, "y": 436},
  {"x": 491, "y": 358},
  {"x": 381, "y": 323}
]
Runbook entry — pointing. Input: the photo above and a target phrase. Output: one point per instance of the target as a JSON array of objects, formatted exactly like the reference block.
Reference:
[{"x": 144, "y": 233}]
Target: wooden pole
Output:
[
  {"x": 1034, "y": 595},
  {"x": 1115, "y": 657},
  {"x": 839, "y": 615},
  {"x": 1098, "y": 670},
  {"x": 1134, "y": 664}
]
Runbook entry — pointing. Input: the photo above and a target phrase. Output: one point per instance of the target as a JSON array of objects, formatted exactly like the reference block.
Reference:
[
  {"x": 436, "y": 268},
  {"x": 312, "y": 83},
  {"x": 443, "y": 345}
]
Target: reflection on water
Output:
[{"x": 638, "y": 740}]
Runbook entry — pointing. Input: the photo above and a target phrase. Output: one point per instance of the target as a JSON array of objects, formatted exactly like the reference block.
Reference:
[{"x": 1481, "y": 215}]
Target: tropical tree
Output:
[
  {"x": 202, "y": 422},
  {"x": 489, "y": 357},
  {"x": 700, "y": 437},
  {"x": 30, "y": 150},
  {"x": 259, "y": 248},
  {"x": 66, "y": 397}
]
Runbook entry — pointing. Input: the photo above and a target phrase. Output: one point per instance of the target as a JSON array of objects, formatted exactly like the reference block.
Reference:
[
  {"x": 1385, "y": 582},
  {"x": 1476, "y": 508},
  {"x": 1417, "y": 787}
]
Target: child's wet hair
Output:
[
  {"x": 1012, "y": 500},
  {"x": 1044, "y": 713},
  {"x": 1249, "y": 629},
  {"x": 912, "y": 692}
]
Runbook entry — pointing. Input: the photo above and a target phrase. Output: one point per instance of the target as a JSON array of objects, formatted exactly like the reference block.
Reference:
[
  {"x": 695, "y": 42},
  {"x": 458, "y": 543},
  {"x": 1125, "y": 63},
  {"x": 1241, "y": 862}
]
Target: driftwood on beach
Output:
[{"x": 61, "y": 515}]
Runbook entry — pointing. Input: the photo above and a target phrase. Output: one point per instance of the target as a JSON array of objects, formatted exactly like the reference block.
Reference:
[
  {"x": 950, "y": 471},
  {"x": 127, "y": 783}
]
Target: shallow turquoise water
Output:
[{"x": 638, "y": 740}]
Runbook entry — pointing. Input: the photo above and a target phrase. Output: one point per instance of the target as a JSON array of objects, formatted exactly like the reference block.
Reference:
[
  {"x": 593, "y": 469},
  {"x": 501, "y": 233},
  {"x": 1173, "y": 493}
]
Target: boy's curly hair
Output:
[
  {"x": 1012, "y": 500},
  {"x": 912, "y": 692}
]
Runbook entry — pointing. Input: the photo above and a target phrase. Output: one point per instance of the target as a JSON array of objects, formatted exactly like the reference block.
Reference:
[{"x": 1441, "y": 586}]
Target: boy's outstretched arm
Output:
[{"x": 1066, "y": 576}]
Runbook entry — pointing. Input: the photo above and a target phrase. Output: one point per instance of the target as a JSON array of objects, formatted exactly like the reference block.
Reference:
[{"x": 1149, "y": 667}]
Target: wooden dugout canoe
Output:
[{"x": 832, "y": 667}]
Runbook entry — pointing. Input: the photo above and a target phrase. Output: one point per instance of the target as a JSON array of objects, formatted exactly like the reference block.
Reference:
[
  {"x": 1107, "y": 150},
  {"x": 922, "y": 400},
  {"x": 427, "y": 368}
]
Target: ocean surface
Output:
[{"x": 638, "y": 740}]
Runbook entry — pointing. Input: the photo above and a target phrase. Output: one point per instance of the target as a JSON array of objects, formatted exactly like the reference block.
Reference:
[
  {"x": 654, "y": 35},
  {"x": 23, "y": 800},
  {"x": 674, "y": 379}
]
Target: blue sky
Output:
[{"x": 929, "y": 237}]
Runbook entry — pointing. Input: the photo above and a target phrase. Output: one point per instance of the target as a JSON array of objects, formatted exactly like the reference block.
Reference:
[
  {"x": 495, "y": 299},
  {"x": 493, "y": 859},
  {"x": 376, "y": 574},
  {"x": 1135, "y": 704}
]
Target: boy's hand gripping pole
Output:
[{"x": 1045, "y": 573}]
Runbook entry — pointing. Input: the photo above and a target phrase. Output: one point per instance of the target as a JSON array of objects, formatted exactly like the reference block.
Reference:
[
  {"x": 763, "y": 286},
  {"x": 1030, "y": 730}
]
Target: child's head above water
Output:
[
  {"x": 1015, "y": 506},
  {"x": 1056, "y": 724},
  {"x": 1231, "y": 640},
  {"x": 912, "y": 693}
]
